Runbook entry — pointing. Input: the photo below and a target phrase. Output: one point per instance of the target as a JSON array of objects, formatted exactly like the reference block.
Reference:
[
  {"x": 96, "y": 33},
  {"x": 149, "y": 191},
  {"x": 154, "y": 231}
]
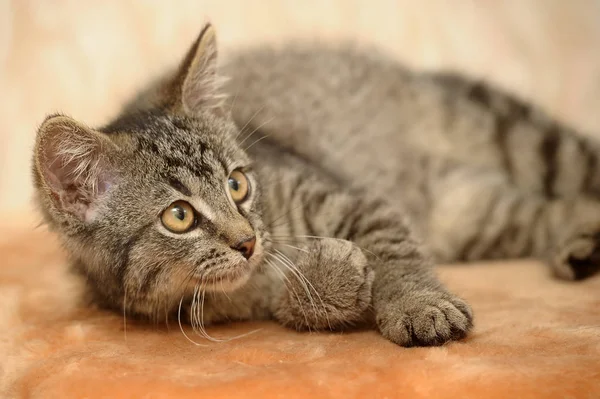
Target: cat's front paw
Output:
[
  {"x": 425, "y": 319},
  {"x": 330, "y": 289}
]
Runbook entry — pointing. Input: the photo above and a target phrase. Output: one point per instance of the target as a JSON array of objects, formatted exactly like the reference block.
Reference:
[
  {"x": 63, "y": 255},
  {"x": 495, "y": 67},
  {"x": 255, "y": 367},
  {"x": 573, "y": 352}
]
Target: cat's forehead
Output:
[{"x": 196, "y": 144}]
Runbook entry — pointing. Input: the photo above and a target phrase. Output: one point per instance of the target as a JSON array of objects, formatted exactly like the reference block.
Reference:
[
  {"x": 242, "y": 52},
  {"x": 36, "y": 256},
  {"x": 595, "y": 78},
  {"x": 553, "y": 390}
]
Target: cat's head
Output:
[{"x": 160, "y": 200}]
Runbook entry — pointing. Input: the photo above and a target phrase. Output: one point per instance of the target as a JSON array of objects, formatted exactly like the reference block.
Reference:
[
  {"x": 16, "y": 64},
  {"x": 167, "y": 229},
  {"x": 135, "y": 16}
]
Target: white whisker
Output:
[
  {"x": 181, "y": 327},
  {"x": 294, "y": 247},
  {"x": 256, "y": 141},
  {"x": 234, "y": 100},
  {"x": 295, "y": 272},
  {"x": 225, "y": 292},
  {"x": 308, "y": 283},
  {"x": 254, "y": 131},
  {"x": 199, "y": 319},
  {"x": 274, "y": 239},
  {"x": 249, "y": 120},
  {"x": 288, "y": 285}
]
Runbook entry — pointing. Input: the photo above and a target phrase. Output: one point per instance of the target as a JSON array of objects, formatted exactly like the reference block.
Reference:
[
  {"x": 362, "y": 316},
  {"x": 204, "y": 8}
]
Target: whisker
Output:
[
  {"x": 181, "y": 288},
  {"x": 296, "y": 273},
  {"x": 288, "y": 286},
  {"x": 234, "y": 100},
  {"x": 308, "y": 283},
  {"x": 181, "y": 327},
  {"x": 254, "y": 131},
  {"x": 201, "y": 326},
  {"x": 193, "y": 307},
  {"x": 294, "y": 247},
  {"x": 274, "y": 238},
  {"x": 206, "y": 335},
  {"x": 256, "y": 141},
  {"x": 270, "y": 224},
  {"x": 279, "y": 271},
  {"x": 249, "y": 120},
  {"x": 225, "y": 292}
]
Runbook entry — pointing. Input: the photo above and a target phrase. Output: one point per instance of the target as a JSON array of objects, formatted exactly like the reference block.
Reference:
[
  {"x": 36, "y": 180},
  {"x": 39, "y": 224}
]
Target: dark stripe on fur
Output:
[
  {"x": 508, "y": 112},
  {"x": 179, "y": 186},
  {"x": 480, "y": 94},
  {"x": 508, "y": 234},
  {"x": 347, "y": 228},
  {"x": 549, "y": 153},
  {"x": 538, "y": 217},
  {"x": 149, "y": 279},
  {"x": 472, "y": 242},
  {"x": 126, "y": 251},
  {"x": 591, "y": 165}
]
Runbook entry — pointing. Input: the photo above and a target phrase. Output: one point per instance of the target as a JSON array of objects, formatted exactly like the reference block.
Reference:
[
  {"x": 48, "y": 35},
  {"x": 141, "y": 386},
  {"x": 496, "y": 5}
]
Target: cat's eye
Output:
[
  {"x": 239, "y": 186},
  {"x": 179, "y": 217}
]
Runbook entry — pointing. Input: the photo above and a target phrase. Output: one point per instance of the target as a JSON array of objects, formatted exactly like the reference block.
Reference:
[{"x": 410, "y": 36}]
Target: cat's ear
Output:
[
  {"x": 198, "y": 81},
  {"x": 72, "y": 166}
]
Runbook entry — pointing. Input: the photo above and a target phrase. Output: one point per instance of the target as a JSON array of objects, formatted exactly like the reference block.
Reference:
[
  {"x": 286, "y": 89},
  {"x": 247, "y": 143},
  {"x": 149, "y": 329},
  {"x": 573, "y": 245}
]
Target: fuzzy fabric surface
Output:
[{"x": 535, "y": 337}]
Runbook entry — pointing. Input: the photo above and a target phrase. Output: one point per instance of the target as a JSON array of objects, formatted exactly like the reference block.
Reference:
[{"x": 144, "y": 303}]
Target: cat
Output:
[{"x": 317, "y": 186}]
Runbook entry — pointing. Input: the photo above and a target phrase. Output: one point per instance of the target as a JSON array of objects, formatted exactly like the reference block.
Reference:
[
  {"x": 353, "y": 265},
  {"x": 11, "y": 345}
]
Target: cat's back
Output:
[
  {"x": 315, "y": 98},
  {"x": 342, "y": 102},
  {"x": 312, "y": 70},
  {"x": 360, "y": 113}
]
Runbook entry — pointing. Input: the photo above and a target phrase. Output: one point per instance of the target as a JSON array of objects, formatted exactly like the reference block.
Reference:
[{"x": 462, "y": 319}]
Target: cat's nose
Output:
[{"x": 246, "y": 247}]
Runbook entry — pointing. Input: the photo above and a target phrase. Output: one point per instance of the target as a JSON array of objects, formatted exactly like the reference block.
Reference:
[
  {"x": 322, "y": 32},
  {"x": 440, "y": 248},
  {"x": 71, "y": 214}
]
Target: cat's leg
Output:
[
  {"x": 410, "y": 305},
  {"x": 481, "y": 215}
]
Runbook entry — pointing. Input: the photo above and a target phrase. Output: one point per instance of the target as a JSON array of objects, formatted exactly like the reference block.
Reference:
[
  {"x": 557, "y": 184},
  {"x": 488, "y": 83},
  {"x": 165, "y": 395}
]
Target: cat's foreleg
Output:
[{"x": 410, "y": 306}]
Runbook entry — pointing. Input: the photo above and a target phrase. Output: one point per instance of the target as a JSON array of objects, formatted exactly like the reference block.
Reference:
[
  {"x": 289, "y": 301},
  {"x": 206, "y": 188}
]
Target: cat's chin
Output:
[
  {"x": 230, "y": 281},
  {"x": 229, "y": 284}
]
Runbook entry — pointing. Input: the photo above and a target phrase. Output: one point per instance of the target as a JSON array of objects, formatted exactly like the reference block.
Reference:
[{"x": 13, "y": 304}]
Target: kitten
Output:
[{"x": 233, "y": 188}]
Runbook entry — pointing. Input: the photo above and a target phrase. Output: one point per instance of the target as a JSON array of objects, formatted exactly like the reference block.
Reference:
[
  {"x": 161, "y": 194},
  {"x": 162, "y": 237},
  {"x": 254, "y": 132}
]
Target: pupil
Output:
[
  {"x": 179, "y": 213},
  {"x": 234, "y": 184}
]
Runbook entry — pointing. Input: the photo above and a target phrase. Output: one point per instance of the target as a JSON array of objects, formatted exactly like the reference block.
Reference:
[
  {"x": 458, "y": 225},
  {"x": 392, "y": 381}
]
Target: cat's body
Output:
[
  {"x": 393, "y": 166},
  {"x": 439, "y": 146}
]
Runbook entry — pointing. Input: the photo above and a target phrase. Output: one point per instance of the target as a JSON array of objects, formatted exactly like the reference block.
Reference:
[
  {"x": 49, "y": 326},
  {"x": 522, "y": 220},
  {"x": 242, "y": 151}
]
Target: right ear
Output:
[
  {"x": 72, "y": 166},
  {"x": 197, "y": 84}
]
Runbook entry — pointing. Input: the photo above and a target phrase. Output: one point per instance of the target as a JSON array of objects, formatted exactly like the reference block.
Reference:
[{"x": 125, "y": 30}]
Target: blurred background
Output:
[{"x": 84, "y": 58}]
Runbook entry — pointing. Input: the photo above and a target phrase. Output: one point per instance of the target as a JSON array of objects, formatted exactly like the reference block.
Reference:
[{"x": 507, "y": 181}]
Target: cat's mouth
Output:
[{"x": 228, "y": 275}]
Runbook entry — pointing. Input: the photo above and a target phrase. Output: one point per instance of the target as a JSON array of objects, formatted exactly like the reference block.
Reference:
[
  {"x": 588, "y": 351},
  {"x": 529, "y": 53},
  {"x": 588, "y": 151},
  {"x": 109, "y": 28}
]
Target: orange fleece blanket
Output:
[{"x": 535, "y": 337}]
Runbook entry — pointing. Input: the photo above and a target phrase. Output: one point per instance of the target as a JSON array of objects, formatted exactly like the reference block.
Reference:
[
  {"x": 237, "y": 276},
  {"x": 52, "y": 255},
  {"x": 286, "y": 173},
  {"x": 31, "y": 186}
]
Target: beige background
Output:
[
  {"x": 84, "y": 58},
  {"x": 534, "y": 338}
]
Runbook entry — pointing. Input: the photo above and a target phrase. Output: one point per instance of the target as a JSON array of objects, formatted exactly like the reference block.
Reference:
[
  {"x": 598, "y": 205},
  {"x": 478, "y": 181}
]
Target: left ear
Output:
[
  {"x": 197, "y": 78},
  {"x": 71, "y": 167}
]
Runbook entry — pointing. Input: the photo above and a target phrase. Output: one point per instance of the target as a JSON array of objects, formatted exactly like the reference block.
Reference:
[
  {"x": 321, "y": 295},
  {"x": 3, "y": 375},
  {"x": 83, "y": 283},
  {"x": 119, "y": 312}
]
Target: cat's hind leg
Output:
[{"x": 481, "y": 215}]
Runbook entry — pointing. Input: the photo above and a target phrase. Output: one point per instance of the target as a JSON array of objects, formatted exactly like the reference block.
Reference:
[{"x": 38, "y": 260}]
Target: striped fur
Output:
[{"x": 362, "y": 175}]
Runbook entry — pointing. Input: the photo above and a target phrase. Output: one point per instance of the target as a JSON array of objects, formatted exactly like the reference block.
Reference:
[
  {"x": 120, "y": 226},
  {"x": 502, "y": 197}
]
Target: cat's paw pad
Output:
[
  {"x": 335, "y": 290},
  {"x": 426, "y": 319},
  {"x": 578, "y": 258}
]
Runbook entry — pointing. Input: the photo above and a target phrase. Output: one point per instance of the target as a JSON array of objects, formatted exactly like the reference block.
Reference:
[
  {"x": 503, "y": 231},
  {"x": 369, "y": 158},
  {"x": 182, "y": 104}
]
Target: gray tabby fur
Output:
[{"x": 354, "y": 162}]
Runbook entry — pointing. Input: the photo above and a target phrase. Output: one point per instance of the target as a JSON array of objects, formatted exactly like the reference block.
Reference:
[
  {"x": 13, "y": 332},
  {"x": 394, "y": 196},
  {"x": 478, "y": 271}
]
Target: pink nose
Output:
[{"x": 246, "y": 247}]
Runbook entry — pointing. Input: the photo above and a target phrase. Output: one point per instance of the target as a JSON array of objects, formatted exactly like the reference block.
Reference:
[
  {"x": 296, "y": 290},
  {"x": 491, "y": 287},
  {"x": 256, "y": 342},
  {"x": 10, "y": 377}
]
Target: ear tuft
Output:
[{"x": 71, "y": 165}]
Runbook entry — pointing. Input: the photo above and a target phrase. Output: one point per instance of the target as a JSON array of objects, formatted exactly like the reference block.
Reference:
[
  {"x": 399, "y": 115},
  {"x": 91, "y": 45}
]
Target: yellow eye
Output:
[
  {"x": 179, "y": 217},
  {"x": 238, "y": 186}
]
